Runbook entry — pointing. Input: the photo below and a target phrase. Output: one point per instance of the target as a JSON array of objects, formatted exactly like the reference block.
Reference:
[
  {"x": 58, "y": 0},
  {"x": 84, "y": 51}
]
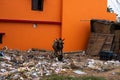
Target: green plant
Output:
[
  {"x": 92, "y": 78},
  {"x": 59, "y": 77}
]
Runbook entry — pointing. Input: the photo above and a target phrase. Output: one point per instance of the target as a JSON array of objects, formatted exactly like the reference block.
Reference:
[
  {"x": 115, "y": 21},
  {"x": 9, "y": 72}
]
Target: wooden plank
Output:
[
  {"x": 108, "y": 42},
  {"x": 95, "y": 44},
  {"x": 91, "y": 41},
  {"x": 117, "y": 42}
]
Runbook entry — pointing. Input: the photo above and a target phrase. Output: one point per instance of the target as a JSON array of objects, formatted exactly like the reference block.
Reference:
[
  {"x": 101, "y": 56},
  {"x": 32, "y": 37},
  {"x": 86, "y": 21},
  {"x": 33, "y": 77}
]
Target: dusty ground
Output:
[{"x": 108, "y": 75}]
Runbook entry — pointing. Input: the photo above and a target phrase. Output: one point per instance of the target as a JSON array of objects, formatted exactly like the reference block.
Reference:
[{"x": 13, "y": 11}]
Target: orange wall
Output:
[
  {"x": 76, "y": 17},
  {"x": 24, "y": 36},
  {"x": 21, "y": 9}
]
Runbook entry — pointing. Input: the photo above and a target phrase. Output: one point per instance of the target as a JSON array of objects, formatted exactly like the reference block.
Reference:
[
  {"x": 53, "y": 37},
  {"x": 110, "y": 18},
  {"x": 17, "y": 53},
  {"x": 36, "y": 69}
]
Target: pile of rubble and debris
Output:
[
  {"x": 33, "y": 64},
  {"x": 16, "y": 64}
]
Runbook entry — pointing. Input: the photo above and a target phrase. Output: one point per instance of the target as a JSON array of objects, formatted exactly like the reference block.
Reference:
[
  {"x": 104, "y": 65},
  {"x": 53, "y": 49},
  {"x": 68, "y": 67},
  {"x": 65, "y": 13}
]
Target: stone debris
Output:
[
  {"x": 33, "y": 64},
  {"x": 79, "y": 72},
  {"x": 102, "y": 65},
  {"x": 29, "y": 64}
]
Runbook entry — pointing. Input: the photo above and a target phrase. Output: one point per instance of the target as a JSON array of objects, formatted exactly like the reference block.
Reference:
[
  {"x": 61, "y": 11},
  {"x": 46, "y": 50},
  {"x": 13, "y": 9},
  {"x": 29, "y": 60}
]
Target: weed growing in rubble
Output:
[
  {"x": 58, "y": 77},
  {"x": 92, "y": 78}
]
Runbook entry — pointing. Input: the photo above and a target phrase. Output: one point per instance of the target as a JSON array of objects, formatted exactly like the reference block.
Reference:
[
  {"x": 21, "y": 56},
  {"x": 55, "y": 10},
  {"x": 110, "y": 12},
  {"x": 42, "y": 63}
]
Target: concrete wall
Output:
[
  {"x": 21, "y": 9},
  {"x": 69, "y": 19},
  {"x": 76, "y": 21},
  {"x": 24, "y": 36},
  {"x": 17, "y": 20}
]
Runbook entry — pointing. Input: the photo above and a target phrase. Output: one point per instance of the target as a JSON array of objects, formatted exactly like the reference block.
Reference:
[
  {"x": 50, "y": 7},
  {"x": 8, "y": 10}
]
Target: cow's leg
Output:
[
  {"x": 55, "y": 53},
  {"x": 60, "y": 56}
]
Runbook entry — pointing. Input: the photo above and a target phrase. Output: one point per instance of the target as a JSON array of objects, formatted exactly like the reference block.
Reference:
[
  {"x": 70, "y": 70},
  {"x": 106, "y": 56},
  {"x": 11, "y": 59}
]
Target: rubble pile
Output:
[
  {"x": 33, "y": 64},
  {"x": 28, "y": 64},
  {"x": 102, "y": 65}
]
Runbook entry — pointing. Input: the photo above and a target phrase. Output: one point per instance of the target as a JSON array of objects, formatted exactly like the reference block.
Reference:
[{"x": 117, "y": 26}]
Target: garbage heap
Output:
[
  {"x": 102, "y": 66},
  {"x": 33, "y": 64},
  {"x": 105, "y": 36},
  {"x": 28, "y": 65}
]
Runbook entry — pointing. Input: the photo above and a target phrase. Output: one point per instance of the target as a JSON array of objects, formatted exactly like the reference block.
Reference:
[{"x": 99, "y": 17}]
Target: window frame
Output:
[{"x": 37, "y": 5}]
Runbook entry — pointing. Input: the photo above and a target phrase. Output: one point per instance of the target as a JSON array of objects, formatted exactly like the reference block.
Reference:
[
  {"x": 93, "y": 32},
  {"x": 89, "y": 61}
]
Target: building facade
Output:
[{"x": 28, "y": 24}]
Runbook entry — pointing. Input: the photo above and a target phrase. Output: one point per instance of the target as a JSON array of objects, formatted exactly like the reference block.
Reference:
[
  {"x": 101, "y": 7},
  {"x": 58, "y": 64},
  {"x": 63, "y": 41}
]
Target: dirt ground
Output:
[{"x": 107, "y": 75}]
